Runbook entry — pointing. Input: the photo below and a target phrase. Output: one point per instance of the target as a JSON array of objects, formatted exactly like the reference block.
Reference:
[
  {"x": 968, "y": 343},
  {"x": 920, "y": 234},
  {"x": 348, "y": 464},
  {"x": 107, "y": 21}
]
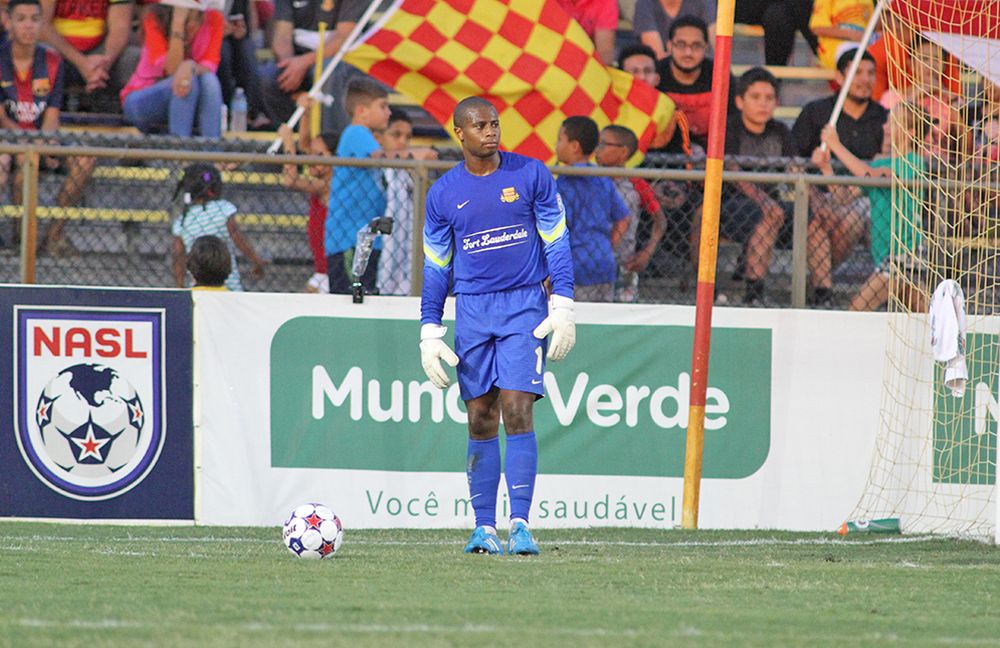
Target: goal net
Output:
[{"x": 935, "y": 452}]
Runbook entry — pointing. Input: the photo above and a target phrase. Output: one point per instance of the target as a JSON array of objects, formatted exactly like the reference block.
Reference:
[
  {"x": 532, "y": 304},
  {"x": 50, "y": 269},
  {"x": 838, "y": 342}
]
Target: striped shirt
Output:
[{"x": 210, "y": 219}]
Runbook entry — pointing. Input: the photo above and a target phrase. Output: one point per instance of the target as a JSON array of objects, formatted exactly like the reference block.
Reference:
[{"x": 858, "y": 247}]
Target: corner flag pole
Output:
[
  {"x": 315, "y": 117},
  {"x": 317, "y": 86},
  {"x": 707, "y": 256}
]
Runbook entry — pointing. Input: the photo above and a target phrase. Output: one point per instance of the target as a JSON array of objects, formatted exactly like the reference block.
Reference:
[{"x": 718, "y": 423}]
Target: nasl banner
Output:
[{"x": 97, "y": 405}]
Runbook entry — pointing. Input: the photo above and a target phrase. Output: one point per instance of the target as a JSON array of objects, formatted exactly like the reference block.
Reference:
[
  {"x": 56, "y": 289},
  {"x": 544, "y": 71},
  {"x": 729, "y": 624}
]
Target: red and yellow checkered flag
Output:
[{"x": 527, "y": 57}]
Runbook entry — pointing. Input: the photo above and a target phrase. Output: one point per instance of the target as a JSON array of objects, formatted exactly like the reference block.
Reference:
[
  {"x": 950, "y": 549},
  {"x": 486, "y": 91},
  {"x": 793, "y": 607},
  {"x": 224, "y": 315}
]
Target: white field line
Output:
[
  {"x": 356, "y": 540},
  {"x": 683, "y": 631},
  {"x": 340, "y": 628}
]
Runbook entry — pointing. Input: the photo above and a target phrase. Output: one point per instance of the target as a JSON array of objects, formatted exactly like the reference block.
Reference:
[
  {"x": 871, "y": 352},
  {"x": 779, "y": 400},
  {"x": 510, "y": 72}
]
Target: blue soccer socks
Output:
[
  {"x": 483, "y": 471},
  {"x": 521, "y": 465}
]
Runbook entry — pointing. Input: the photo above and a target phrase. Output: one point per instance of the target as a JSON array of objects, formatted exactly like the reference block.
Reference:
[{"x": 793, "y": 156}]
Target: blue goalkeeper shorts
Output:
[{"x": 495, "y": 343}]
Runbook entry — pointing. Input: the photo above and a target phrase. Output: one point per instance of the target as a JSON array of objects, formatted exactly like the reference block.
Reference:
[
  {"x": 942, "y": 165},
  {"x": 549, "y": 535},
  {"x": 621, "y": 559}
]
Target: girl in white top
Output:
[{"x": 206, "y": 214}]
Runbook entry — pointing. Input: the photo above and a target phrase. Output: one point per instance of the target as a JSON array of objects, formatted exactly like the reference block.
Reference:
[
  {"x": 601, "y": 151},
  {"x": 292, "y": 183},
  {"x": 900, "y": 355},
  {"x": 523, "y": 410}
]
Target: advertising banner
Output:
[
  {"x": 312, "y": 398},
  {"x": 965, "y": 430},
  {"x": 622, "y": 414},
  {"x": 97, "y": 404}
]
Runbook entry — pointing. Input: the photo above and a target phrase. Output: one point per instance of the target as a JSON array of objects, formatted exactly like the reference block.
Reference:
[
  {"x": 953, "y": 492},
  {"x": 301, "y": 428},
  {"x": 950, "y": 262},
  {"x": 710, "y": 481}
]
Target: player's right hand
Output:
[{"x": 432, "y": 351}]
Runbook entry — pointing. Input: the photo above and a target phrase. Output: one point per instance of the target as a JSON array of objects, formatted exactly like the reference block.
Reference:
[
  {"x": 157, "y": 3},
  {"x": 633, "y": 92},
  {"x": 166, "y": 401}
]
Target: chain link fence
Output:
[{"x": 107, "y": 211}]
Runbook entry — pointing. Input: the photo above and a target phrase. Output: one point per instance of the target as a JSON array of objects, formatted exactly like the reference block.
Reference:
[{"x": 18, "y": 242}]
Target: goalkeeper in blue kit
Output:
[{"x": 498, "y": 225}]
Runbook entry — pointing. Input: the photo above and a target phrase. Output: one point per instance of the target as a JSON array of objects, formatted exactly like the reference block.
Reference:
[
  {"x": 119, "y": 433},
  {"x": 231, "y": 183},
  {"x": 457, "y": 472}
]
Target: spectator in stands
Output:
[
  {"x": 860, "y": 123},
  {"x": 895, "y": 242},
  {"x": 176, "y": 83},
  {"x": 395, "y": 262},
  {"x": 209, "y": 263},
  {"x": 677, "y": 199},
  {"x": 238, "y": 60},
  {"x": 317, "y": 184},
  {"x": 295, "y": 41},
  {"x": 984, "y": 116},
  {"x": 931, "y": 87},
  {"x": 31, "y": 84},
  {"x": 837, "y": 22},
  {"x": 356, "y": 195},
  {"x": 653, "y": 21},
  {"x": 92, "y": 38},
  {"x": 752, "y": 214},
  {"x": 640, "y": 62},
  {"x": 595, "y": 214},
  {"x": 780, "y": 20},
  {"x": 615, "y": 145},
  {"x": 686, "y": 76},
  {"x": 599, "y": 18},
  {"x": 842, "y": 216},
  {"x": 206, "y": 213}
]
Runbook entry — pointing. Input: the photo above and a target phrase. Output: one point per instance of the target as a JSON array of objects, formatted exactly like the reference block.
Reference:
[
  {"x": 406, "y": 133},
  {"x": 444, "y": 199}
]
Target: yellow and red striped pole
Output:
[
  {"x": 315, "y": 117},
  {"x": 707, "y": 255}
]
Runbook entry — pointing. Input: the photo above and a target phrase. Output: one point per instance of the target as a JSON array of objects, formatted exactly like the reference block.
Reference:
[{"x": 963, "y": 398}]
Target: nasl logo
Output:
[{"x": 89, "y": 397}]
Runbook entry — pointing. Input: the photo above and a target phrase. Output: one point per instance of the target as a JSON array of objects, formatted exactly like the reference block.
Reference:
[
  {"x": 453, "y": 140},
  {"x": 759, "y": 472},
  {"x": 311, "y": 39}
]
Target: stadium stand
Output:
[{"x": 120, "y": 230}]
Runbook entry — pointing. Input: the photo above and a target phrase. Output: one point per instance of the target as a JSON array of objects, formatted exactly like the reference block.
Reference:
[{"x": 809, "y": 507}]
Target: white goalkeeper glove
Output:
[
  {"x": 432, "y": 351},
  {"x": 561, "y": 323}
]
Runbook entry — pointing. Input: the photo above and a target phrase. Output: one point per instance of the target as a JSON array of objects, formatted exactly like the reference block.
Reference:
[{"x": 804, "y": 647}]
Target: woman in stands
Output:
[{"x": 175, "y": 83}]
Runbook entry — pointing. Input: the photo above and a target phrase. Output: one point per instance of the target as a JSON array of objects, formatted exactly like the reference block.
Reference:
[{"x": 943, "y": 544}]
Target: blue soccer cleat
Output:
[
  {"x": 484, "y": 542},
  {"x": 521, "y": 541}
]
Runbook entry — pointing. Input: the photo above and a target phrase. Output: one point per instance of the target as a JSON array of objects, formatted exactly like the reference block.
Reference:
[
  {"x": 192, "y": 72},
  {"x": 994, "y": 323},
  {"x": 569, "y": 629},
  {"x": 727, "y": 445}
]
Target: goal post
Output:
[{"x": 934, "y": 465}]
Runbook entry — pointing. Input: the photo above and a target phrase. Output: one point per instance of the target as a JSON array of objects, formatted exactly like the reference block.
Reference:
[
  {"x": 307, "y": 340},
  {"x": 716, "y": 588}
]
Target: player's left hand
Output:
[{"x": 561, "y": 323}]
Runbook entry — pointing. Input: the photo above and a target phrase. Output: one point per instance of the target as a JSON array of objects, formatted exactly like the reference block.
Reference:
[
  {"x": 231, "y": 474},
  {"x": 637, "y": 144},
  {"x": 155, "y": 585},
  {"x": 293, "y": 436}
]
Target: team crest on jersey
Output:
[
  {"x": 509, "y": 195},
  {"x": 89, "y": 385},
  {"x": 41, "y": 87}
]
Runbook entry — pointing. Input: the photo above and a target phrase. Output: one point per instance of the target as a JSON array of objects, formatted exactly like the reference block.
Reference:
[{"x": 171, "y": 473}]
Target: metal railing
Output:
[{"x": 115, "y": 227}]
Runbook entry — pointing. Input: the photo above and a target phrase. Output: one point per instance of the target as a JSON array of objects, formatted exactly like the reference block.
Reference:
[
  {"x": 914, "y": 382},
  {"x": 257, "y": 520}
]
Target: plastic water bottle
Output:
[
  {"x": 224, "y": 126},
  {"x": 238, "y": 112},
  {"x": 884, "y": 525}
]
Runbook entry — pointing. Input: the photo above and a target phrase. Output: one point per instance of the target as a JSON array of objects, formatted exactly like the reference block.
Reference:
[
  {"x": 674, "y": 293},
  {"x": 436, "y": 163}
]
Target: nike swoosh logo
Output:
[
  {"x": 536, "y": 382},
  {"x": 516, "y": 486},
  {"x": 460, "y": 205}
]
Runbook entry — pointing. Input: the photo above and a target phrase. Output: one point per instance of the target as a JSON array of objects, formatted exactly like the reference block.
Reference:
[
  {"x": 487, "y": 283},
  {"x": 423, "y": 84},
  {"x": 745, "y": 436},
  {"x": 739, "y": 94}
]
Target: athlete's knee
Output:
[
  {"x": 483, "y": 428},
  {"x": 518, "y": 414},
  {"x": 484, "y": 419}
]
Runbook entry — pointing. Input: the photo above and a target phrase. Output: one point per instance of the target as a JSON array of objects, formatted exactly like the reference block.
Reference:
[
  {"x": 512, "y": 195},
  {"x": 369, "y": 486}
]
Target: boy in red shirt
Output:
[{"x": 615, "y": 145}]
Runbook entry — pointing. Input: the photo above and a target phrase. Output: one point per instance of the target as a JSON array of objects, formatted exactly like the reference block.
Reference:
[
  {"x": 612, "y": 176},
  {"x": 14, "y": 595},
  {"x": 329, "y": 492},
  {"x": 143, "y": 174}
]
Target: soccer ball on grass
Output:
[{"x": 313, "y": 531}]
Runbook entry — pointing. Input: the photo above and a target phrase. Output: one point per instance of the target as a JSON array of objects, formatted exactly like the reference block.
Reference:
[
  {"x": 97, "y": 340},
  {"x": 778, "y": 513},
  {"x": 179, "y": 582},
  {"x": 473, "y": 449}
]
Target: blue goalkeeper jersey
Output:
[{"x": 496, "y": 232}]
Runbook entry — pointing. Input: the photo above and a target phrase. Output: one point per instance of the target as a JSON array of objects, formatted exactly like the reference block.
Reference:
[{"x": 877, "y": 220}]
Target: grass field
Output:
[{"x": 74, "y": 585}]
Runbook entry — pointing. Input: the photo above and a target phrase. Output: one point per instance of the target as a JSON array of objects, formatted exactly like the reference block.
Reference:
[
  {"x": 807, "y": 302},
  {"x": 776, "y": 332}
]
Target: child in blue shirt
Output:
[
  {"x": 595, "y": 214},
  {"x": 356, "y": 195}
]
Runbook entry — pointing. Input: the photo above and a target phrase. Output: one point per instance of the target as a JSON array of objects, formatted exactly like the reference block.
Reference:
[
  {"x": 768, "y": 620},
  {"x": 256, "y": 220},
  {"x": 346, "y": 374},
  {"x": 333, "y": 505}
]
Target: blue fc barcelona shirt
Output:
[{"x": 493, "y": 233}]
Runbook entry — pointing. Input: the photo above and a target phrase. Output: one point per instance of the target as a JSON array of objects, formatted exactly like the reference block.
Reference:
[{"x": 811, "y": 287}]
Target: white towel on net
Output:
[{"x": 947, "y": 312}]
